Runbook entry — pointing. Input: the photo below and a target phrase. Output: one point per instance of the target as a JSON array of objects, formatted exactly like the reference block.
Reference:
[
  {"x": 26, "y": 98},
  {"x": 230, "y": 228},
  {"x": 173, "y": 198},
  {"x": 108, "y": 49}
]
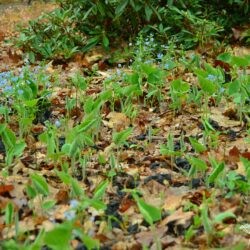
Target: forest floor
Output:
[{"x": 195, "y": 214}]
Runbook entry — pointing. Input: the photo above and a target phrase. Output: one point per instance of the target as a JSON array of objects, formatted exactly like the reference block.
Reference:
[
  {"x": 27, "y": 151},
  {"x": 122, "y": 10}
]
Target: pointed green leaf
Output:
[
  {"x": 40, "y": 184},
  {"x": 149, "y": 212},
  {"x": 100, "y": 189}
]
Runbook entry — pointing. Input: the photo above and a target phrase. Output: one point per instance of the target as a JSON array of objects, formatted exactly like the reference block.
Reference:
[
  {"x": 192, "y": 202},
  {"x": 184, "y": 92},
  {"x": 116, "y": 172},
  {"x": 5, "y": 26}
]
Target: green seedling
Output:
[
  {"x": 9, "y": 214},
  {"x": 59, "y": 237},
  {"x": 50, "y": 138},
  {"x": 14, "y": 147},
  {"x": 80, "y": 83},
  {"x": 197, "y": 165},
  {"x": 179, "y": 93},
  {"x": 169, "y": 150},
  {"x": 239, "y": 88},
  {"x": 149, "y": 212},
  {"x": 39, "y": 184},
  {"x": 235, "y": 184},
  {"x": 197, "y": 146},
  {"x": 210, "y": 135},
  {"x": 217, "y": 171}
]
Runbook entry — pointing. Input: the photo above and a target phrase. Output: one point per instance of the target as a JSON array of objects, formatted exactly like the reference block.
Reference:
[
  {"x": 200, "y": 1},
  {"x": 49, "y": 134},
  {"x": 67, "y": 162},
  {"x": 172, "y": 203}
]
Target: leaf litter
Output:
[{"x": 158, "y": 180}]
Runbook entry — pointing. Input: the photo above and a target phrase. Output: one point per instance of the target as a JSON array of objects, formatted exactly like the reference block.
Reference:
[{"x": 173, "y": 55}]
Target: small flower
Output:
[
  {"x": 58, "y": 124},
  {"x": 14, "y": 79},
  {"x": 159, "y": 56},
  {"x": 70, "y": 214},
  {"x": 74, "y": 203},
  {"x": 222, "y": 90},
  {"x": 148, "y": 61},
  {"x": 166, "y": 66},
  {"x": 20, "y": 92},
  {"x": 48, "y": 85},
  {"x": 8, "y": 89},
  {"x": 3, "y": 82},
  {"x": 119, "y": 65},
  {"x": 118, "y": 72},
  {"x": 211, "y": 77},
  {"x": 130, "y": 44}
]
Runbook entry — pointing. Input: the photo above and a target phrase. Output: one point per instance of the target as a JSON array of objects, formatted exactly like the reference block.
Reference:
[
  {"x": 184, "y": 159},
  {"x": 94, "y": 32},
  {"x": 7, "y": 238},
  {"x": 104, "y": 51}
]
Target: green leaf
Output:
[
  {"x": 90, "y": 243},
  {"x": 206, "y": 221},
  {"x": 234, "y": 87},
  {"x": 240, "y": 61},
  {"x": 64, "y": 177},
  {"x": 215, "y": 173},
  {"x": 76, "y": 188},
  {"x": 86, "y": 125},
  {"x": 198, "y": 147},
  {"x": 9, "y": 213},
  {"x": 66, "y": 148},
  {"x": 121, "y": 7},
  {"x": 48, "y": 204},
  {"x": 40, "y": 184},
  {"x": 31, "y": 103},
  {"x": 197, "y": 165},
  {"x": 149, "y": 212},
  {"x": 9, "y": 138},
  {"x": 207, "y": 86},
  {"x": 148, "y": 12},
  {"x": 97, "y": 204},
  {"x": 100, "y": 189},
  {"x": 120, "y": 138},
  {"x": 91, "y": 43},
  {"x": 180, "y": 86},
  {"x": 225, "y": 57},
  {"x": 87, "y": 140},
  {"x": 2, "y": 128},
  {"x": 31, "y": 192},
  {"x": 246, "y": 164},
  {"x": 221, "y": 217},
  {"x": 59, "y": 237},
  {"x": 105, "y": 42},
  {"x": 19, "y": 148}
]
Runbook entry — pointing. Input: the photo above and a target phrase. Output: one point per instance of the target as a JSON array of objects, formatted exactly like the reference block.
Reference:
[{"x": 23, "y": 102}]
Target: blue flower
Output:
[
  {"x": 166, "y": 66},
  {"x": 5, "y": 74},
  {"x": 118, "y": 72},
  {"x": 148, "y": 61},
  {"x": 70, "y": 214},
  {"x": 14, "y": 79},
  {"x": 74, "y": 203},
  {"x": 57, "y": 123},
  {"x": 159, "y": 56},
  {"x": 222, "y": 90},
  {"x": 3, "y": 82},
  {"x": 20, "y": 92},
  {"x": 8, "y": 89},
  {"x": 211, "y": 77}
]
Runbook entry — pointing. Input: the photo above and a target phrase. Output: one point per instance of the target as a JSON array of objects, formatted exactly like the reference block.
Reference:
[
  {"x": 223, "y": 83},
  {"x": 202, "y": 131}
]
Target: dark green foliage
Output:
[{"x": 79, "y": 25}]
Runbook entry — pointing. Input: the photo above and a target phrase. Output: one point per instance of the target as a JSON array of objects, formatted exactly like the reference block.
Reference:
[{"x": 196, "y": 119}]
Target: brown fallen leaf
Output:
[
  {"x": 234, "y": 154},
  {"x": 117, "y": 121},
  {"x": 126, "y": 203},
  {"x": 5, "y": 189},
  {"x": 146, "y": 238},
  {"x": 179, "y": 217},
  {"x": 62, "y": 196}
]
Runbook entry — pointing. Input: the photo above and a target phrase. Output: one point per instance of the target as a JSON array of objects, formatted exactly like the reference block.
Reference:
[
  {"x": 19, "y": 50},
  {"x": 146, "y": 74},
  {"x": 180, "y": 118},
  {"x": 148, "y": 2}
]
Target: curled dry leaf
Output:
[{"x": 117, "y": 121}]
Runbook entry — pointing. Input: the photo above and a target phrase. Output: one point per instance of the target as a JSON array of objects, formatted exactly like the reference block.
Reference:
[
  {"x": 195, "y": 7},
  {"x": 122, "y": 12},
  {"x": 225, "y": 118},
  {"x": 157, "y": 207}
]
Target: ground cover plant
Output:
[{"x": 142, "y": 146}]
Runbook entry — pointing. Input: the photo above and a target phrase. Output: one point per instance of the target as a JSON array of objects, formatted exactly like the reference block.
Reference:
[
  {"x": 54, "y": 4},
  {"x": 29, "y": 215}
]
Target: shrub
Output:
[{"x": 80, "y": 25}]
